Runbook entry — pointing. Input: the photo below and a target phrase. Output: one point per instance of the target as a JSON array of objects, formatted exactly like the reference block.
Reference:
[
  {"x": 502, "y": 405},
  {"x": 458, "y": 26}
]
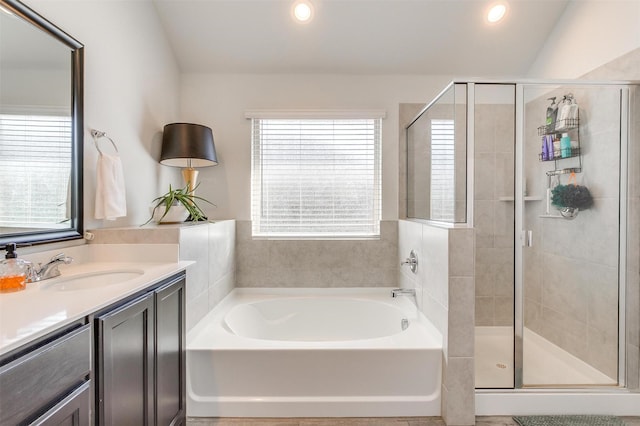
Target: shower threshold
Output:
[{"x": 544, "y": 364}]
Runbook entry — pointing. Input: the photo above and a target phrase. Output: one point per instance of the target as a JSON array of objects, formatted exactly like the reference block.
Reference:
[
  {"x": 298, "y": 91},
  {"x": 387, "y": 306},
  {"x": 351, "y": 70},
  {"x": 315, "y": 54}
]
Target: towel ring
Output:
[{"x": 96, "y": 134}]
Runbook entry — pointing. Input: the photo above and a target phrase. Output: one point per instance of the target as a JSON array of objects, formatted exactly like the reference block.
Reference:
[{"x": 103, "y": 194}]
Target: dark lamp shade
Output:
[{"x": 187, "y": 145}]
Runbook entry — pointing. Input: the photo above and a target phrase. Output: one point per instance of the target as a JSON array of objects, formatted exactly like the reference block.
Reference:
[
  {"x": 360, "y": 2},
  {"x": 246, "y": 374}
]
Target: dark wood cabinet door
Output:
[{"x": 125, "y": 362}]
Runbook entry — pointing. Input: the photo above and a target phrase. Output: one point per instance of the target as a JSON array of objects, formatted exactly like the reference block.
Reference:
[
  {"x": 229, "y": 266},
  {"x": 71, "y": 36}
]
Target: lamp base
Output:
[{"x": 190, "y": 176}]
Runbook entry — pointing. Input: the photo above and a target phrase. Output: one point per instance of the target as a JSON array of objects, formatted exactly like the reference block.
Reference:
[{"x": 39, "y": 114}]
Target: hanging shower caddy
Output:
[{"x": 570, "y": 126}]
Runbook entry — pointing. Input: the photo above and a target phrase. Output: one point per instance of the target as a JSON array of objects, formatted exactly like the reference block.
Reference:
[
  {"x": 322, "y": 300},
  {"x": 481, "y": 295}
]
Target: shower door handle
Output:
[{"x": 527, "y": 238}]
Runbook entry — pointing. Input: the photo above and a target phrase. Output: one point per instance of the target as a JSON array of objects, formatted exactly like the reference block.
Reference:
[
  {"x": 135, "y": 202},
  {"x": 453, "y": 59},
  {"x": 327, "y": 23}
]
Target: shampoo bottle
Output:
[
  {"x": 545, "y": 149},
  {"x": 556, "y": 146},
  {"x": 13, "y": 271},
  {"x": 563, "y": 114},
  {"x": 549, "y": 139},
  {"x": 565, "y": 145},
  {"x": 568, "y": 115}
]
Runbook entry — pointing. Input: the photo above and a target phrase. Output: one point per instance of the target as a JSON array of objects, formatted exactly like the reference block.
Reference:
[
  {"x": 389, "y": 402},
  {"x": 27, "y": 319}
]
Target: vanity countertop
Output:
[{"x": 46, "y": 306}]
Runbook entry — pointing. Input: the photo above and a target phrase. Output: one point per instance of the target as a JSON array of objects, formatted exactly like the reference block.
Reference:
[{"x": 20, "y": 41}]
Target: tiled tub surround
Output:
[
  {"x": 317, "y": 263},
  {"x": 357, "y": 361},
  {"x": 210, "y": 245},
  {"x": 41, "y": 309},
  {"x": 444, "y": 285}
]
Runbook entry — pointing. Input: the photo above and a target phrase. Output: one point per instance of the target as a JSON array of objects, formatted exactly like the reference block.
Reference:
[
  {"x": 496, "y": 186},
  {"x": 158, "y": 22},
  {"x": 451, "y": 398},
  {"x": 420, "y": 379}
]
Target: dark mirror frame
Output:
[{"x": 75, "y": 230}]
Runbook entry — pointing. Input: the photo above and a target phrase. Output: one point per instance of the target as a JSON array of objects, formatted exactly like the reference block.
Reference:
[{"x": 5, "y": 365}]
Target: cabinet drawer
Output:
[
  {"x": 72, "y": 410},
  {"x": 39, "y": 379}
]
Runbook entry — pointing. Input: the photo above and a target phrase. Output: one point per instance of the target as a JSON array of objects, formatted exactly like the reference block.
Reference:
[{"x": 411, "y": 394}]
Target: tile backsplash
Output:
[{"x": 317, "y": 263}]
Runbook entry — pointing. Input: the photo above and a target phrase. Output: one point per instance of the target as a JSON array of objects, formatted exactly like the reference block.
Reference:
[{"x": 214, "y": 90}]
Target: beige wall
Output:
[
  {"x": 577, "y": 45},
  {"x": 220, "y": 101},
  {"x": 131, "y": 91}
]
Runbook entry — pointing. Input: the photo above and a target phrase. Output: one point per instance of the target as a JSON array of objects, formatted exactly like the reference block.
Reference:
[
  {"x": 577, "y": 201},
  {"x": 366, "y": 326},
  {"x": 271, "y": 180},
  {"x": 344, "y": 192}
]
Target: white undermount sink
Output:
[{"x": 93, "y": 280}]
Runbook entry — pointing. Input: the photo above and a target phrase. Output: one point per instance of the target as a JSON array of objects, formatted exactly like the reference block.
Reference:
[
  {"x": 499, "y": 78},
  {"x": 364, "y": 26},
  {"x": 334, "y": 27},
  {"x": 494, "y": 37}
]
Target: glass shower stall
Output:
[{"x": 547, "y": 173}]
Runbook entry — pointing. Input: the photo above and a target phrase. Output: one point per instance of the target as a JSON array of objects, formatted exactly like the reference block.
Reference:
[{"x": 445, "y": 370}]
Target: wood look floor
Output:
[{"x": 369, "y": 421}]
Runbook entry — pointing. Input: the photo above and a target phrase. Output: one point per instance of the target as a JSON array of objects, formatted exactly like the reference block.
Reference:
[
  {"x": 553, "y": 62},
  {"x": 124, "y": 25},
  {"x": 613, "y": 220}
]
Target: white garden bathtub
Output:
[{"x": 313, "y": 352}]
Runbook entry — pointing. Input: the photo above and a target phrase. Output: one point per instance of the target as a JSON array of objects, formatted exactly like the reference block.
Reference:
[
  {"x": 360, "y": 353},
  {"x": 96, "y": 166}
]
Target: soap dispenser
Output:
[
  {"x": 551, "y": 115},
  {"x": 13, "y": 271}
]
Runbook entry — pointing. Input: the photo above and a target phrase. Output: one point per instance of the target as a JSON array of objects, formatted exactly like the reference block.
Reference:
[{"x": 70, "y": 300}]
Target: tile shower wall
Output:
[
  {"x": 633, "y": 249},
  {"x": 444, "y": 286},
  {"x": 210, "y": 245},
  {"x": 317, "y": 263},
  {"x": 571, "y": 272},
  {"x": 627, "y": 67},
  {"x": 494, "y": 213}
]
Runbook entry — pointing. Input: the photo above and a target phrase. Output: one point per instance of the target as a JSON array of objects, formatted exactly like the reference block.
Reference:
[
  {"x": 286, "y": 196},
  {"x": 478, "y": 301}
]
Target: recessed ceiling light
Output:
[
  {"x": 302, "y": 11},
  {"x": 497, "y": 11}
]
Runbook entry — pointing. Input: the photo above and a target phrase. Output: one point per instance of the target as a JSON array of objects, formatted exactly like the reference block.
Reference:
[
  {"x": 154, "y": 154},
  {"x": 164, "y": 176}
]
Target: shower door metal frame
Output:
[{"x": 519, "y": 243}]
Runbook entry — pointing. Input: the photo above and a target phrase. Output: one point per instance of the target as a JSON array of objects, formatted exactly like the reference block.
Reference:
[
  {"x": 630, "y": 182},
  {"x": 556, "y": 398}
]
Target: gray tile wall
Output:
[
  {"x": 493, "y": 213},
  {"x": 317, "y": 263}
]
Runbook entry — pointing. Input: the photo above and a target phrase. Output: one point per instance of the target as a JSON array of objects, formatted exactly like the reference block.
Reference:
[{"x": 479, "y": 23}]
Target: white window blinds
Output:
[
  {"x": 35, "y": 168},
  {"x": 442, "y": 170},
  {"x": 316, "y": 178}
]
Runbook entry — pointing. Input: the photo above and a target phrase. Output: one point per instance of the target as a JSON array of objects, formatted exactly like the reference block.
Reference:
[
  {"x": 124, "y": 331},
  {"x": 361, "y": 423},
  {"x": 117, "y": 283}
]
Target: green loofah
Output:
[
  {"x": 557, "y": 196},
  {"x": 574, "y": 196}
]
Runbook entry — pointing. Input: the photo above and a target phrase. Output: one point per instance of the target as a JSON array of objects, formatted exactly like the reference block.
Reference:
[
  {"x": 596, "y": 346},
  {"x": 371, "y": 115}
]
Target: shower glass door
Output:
[
  {"x": 569, "y": 203},
  {"x": 493, "y": 218}
]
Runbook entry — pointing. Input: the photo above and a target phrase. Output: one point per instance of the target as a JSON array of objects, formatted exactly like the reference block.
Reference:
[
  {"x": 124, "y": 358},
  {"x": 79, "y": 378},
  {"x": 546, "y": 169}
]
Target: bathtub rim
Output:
[{"x": 421, "y": 334}]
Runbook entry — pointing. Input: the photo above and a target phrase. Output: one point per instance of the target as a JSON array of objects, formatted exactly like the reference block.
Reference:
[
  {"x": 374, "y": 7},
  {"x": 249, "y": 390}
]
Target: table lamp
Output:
[{"x": 188, "y": 146}]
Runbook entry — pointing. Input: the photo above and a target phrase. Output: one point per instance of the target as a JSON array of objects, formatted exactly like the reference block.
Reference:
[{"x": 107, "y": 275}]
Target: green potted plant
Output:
[{"x": 177, "y": 205}]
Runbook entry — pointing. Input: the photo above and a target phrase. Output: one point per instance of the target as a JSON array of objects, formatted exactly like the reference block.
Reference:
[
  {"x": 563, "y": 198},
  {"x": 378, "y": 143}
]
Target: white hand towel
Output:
[{"x": 111, "y": 196}]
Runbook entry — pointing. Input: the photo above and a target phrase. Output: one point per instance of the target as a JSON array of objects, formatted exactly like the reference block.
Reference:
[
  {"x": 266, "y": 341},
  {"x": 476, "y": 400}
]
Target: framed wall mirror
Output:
[{"x": 41, "y": 129}]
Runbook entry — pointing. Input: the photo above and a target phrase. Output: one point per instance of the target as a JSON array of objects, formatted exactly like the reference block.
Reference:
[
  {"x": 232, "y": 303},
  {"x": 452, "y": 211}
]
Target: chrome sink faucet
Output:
[{"x": 49, "y": 269}]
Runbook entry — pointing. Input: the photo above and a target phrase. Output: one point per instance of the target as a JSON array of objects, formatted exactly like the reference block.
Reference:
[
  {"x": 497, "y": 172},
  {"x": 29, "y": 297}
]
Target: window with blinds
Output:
[
  {"x": 316, "y": 178},
  {"x": 35, "y": 168},
  {"x": 442, "y": 170}
]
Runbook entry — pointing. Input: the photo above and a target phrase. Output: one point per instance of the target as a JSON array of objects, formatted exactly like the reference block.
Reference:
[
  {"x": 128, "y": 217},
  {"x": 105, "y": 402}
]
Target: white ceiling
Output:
[{"x": 445, "y": 37}]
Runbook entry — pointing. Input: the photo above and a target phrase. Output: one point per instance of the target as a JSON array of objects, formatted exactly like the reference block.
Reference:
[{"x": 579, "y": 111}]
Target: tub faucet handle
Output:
[{"x": 412, "y": 261}]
